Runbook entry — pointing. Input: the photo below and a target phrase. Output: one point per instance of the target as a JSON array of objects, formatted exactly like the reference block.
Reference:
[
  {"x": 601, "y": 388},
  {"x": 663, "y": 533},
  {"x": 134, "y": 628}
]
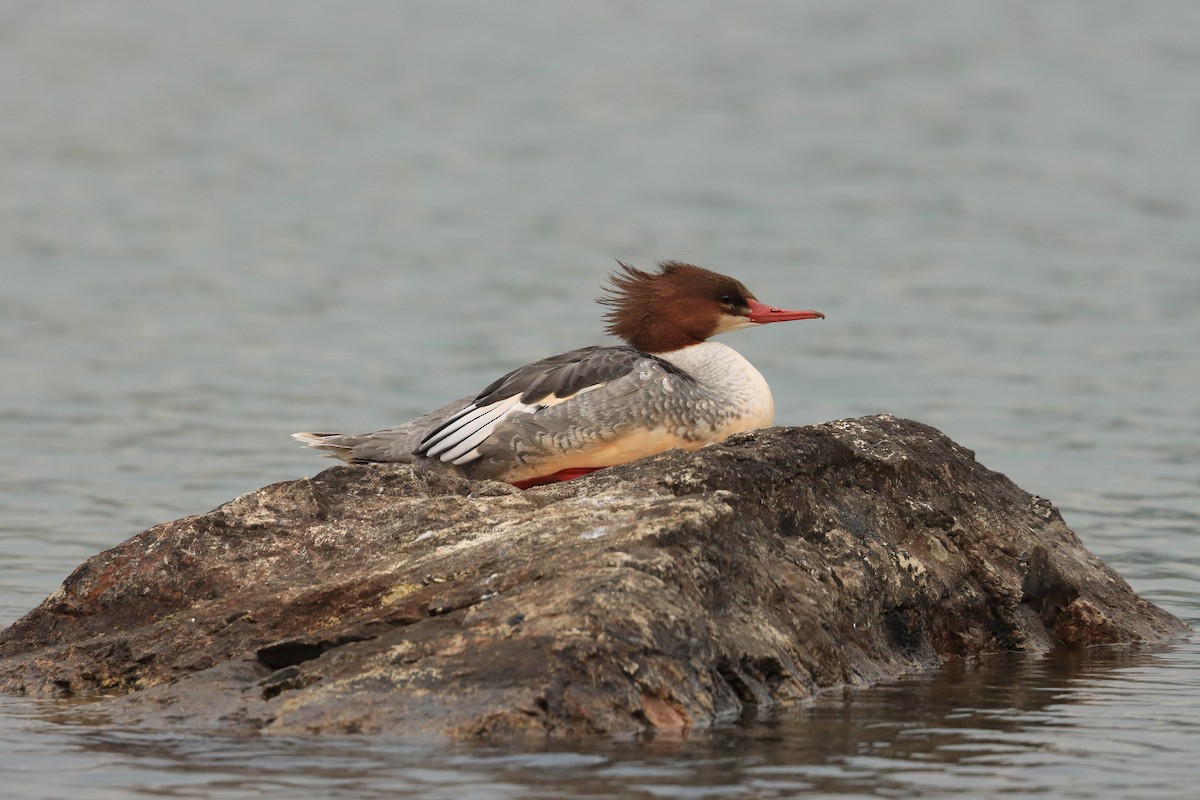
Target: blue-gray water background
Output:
[{"x": 221, "y": 222}]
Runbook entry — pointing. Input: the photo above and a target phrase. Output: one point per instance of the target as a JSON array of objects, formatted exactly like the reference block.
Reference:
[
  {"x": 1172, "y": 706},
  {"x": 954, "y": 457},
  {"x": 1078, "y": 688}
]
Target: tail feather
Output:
[
  {"x": 393, "y": 445},
  {"x": 321, "y": 441}
]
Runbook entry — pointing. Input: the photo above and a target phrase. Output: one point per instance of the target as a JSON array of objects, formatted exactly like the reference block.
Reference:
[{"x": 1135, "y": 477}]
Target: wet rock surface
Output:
[{"x": 670, "y": 593}]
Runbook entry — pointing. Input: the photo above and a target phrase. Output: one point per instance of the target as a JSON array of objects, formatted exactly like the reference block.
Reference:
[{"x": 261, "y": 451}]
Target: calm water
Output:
[{"x": 222, "y": 222}]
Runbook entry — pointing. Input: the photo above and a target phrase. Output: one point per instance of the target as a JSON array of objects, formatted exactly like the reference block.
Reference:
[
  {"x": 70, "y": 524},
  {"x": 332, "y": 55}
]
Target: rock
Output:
[{"x": 665, "y": 594}]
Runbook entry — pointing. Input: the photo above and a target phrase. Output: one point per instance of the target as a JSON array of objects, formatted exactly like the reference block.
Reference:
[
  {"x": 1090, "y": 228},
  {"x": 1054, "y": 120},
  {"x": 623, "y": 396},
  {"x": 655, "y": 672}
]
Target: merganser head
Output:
[{"x": 682, "y": 305}]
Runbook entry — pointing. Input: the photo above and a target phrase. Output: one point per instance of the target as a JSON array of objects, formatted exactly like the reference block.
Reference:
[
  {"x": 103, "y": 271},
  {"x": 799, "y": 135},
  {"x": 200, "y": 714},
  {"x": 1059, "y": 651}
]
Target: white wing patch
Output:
[{"x": 460, "y": 436}]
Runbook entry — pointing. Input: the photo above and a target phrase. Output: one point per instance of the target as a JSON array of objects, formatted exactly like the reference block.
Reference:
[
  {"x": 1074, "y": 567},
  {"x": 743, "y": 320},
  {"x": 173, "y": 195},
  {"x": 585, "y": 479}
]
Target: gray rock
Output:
[{"x": 665, "y": 594}]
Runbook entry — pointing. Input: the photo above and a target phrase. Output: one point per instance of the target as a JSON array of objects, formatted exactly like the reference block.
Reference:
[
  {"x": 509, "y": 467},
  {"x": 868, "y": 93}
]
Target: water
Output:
[{"x": 224, "y": 222}]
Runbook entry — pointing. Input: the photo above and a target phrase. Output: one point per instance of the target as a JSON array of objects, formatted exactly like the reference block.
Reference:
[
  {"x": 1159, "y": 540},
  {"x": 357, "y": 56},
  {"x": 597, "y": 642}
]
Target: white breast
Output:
[{"x": 739, "y": 392}]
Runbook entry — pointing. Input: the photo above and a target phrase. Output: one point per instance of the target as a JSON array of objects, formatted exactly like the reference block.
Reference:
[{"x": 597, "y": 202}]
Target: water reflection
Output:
[{"x": 1072, "y": 723}]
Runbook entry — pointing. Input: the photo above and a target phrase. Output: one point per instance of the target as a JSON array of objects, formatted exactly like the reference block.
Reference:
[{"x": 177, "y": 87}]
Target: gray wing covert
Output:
[{"x": 530, "y": 390}]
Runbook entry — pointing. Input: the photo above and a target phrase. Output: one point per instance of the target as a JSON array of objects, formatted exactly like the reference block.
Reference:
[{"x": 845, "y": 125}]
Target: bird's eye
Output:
[{"x": 727, "y": 299}]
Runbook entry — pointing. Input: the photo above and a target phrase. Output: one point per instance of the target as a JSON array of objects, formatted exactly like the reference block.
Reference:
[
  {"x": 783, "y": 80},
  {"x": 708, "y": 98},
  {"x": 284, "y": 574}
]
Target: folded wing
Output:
[{"x": 529, "y": 390}]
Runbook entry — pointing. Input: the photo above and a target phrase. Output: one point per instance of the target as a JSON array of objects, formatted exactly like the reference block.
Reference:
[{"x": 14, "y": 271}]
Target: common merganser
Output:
[{"x": 595, "y": 407}]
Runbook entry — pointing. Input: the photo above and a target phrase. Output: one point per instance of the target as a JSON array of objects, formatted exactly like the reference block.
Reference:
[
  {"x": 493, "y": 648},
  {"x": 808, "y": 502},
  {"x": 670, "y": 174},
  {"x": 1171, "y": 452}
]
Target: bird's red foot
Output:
[{"x": 557, "y": 477}]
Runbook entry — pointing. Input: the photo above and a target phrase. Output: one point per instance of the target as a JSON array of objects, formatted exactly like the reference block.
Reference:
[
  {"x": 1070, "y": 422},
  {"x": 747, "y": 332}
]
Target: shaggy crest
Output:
[{"x": 638, "y": 301}]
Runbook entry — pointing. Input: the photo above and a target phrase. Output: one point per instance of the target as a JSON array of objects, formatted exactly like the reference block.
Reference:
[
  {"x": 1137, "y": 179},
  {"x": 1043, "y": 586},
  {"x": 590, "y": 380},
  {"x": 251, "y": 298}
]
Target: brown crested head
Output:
[{"x": 678, "y": 306}]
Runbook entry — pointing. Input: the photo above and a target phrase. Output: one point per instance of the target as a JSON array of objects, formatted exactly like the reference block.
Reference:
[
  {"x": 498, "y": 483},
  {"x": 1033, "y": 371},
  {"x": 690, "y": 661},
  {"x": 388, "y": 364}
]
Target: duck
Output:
[{"x": 565, "y": 416}]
